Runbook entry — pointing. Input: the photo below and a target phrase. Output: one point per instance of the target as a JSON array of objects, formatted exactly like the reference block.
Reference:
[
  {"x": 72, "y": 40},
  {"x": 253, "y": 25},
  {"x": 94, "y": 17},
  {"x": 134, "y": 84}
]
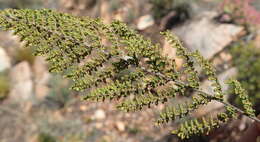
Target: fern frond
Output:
[
  {"x": 204, "y": 125},
  {"x": 182, "y": 52},
  {"x": 196, "y": 127},
  {"x": 182, "y": 110},
  {"x": 238, "y": 90},
  {"x": 112, "y": 61},
  {"x": 207, "y": 67},
  {"x": 148, "y": 91}
]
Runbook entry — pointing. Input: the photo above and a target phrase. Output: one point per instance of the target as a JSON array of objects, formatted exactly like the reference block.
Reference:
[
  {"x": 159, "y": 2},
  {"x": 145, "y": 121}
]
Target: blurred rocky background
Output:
[{"x": 36, "y": 106}]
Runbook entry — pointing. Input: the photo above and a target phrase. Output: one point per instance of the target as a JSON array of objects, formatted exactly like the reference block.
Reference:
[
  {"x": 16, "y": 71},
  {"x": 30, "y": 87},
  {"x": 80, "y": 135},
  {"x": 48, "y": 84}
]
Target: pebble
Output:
[
  {"x": 99, "y": 114},
  {"x": 120, "y": 126}
]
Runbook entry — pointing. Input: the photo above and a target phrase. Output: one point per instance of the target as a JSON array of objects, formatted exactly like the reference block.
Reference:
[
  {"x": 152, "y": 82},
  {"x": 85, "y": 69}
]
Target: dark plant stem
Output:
[{"x": 205, "y": 95}]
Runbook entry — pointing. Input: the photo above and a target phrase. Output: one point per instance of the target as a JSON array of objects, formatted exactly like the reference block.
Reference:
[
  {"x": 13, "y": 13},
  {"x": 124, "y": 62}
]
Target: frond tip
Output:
[
  {"x": 196, "y": 127},
  {"x": 238, "y": 90}
]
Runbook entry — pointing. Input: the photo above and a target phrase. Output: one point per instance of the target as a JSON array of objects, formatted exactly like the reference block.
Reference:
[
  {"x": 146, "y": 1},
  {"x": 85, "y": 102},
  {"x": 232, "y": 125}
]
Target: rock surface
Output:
[
  {"x": 41, "y": 78},
  {"x": 214, "y": 107},
  {"x": 145, "y": 22},
  {"x": 222, "y": 78},
  {"x": 22, "y": 84},
  {"x": 5, "y": 62},
  {"x": 257, "y": 39},
  {"x": 207, "y": 36},
  {"x": 170, "y": 52}
]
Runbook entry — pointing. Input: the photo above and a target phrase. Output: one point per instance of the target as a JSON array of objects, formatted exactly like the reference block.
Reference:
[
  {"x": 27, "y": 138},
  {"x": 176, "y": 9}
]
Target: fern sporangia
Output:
[{"x": 112, "y": 61}]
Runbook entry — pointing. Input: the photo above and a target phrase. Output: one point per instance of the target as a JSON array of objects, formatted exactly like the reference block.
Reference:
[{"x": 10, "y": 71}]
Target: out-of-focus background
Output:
[{"x": 36, "y": 106}]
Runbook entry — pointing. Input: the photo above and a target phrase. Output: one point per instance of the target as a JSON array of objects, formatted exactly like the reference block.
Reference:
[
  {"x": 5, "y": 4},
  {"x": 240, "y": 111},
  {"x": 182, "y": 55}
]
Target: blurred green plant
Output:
[
  {"x": 65, "y": 130},
  {"x": 74, "y": 138},
  {"x": 148, "y": 139},
  {"x": 44, "y": 137},
  {"x": 24, "y": 54},
  {"x": 4, "y": 85},
  {"x": 47, "y": 137},
  {"x": 114, "y": 5},
  {"x": 130, "y": 16},
  {"x": 95, "y": 135},
  {"x": 60, "y": 92},
  {"x": 19, "y": 4},
  {"x": 241, "y": 11},
  {"x": 246, "y": 57},
  {"x": 160, "y": 8},
  {"x": 133, "y": 130}
]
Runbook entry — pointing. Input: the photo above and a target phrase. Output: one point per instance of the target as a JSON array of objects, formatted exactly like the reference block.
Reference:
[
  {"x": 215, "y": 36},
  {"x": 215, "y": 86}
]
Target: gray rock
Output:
[
  {"x": 5, "y": 62},
  {"x": 41, "y": 91},
  {"x": 257, "y": 39},
  {"x": 8, "y": 40},
  {"x": 207, "y": 36},
  {"x": 223, "y": 77},
  {"x": 41, "y": 78},
  {"x": 145, "y": 22},
  {"x": 214, "y": 107},
  {"x": 170, "y": 52},
  {"x": 21, "y": 80},
  {"x": 40, "y": 69}
]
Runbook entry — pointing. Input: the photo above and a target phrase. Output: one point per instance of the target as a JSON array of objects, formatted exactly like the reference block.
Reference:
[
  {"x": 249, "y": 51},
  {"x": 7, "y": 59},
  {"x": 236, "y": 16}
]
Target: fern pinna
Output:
[{"x": 112, "y": 61}]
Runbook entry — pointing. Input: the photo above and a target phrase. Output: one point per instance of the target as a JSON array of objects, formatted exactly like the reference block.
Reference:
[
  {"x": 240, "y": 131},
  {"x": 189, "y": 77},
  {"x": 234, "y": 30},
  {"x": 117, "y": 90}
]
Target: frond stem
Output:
[{"x": 203, "y": 94}]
